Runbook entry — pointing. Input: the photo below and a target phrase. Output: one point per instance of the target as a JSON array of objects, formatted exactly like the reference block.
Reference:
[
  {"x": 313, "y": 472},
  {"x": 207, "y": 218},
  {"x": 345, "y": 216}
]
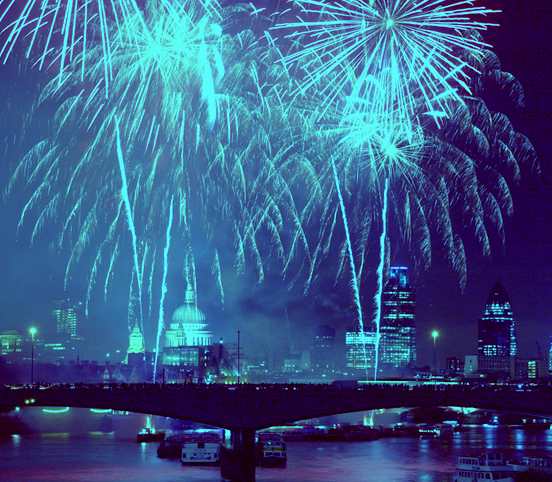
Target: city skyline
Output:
[{"x": 187, "y": 329}]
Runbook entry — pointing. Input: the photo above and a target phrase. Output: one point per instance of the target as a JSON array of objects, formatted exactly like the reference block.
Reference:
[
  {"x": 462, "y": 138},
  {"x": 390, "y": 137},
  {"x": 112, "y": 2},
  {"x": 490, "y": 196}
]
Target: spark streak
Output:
[
  {"x": 130, "y": 219},
  {"x": 160, "y": 321},
  {"x": 350, "y": 254},
  {"x": 379, "y": 294}
]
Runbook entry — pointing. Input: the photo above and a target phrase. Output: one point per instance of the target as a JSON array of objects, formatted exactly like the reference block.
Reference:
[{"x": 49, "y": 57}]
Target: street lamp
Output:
[
  {"x": 32, "y": 332},
  {"x": 435, "y": 336}
]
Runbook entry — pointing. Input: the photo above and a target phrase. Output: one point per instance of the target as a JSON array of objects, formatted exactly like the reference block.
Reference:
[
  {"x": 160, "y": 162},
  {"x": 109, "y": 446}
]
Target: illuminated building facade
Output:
[
  {"x": 188, "y": 336},
  {"x": 497, "y": 343},
  {"x": 67, "y": 343},
  {"x": 11, "y": 343},
  {"x": 360, "y": 350},
  {"x": 57, "y": 352},
  {"x": 66, "y": 319},
  {"x": 136, "y": 344},
  {"x": 398, "y": 324},
  {"x": 528, "y": 369},
  {"x": 136, "y": 341}
]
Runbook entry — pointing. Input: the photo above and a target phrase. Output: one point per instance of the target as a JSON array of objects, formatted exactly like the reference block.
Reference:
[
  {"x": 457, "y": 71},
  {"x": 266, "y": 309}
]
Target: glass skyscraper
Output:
[
  {"x": 398, "y": 324},
  {"x": 497, "y": 343}
]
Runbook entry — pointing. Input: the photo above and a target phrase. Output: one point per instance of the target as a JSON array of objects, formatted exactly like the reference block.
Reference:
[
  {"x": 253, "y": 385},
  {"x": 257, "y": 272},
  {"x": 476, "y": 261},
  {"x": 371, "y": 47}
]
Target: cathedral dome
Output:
[
  {"x": 188, "y": 326},
  {"x": 188, "y": 313}
]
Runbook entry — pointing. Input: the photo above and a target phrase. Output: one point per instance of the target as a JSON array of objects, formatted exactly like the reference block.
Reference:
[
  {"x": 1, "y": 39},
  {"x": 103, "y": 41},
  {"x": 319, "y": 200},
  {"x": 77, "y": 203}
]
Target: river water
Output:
[{"x": 80, "y": 456}]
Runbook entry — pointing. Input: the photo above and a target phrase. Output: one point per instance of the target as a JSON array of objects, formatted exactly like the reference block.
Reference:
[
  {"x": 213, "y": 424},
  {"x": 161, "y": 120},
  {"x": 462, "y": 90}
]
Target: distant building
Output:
[
  {"x": 360, "y": 349},
  {"x": 188, "y": 338},
  {"x": 11, "y": 343},
  {"x": 136, "y": 340},
  {"x": 323, "y": 353},
  {"x": 66, "y": 318},
  {"x": 137, "y": 357},
  {"x": 497, "y": 343},
  {"x": 56, "y": 352},
  {"x": 471, "y": 365},
  {"x": 66, "y": 344},
  {"x": 136, "y": 344},
  {"x": 398, "y": 324},
  {"x": 528, "y": 369},
  {"x": 454, "y": 366}
]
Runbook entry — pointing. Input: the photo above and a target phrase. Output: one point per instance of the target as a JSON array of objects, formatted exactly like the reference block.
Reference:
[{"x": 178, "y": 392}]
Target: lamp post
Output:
[
  {"x": 32, "y": 332},
  {"x": 435, "y": 336}
]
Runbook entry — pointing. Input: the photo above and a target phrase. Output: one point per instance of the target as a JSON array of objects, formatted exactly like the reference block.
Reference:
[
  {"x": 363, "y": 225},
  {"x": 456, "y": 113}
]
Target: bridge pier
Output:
[{"x": 237, "y": 463}]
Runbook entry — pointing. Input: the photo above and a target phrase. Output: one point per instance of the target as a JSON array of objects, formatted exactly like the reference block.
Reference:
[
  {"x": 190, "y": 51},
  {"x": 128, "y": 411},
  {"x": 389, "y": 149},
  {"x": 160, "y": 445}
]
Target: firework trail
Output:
[
  {"x": 379, "y": 294},
  {"x": 161, "y": 319},
  {"x": 350, "y": 254},
  {"x": 129, "y": 217},
  {"x": 217, "y": 272}
]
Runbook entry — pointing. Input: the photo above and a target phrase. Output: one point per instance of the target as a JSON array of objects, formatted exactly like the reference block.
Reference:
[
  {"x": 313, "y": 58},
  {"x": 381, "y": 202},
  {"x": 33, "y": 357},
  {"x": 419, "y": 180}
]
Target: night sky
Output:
[{"x": 32, "y": 276}]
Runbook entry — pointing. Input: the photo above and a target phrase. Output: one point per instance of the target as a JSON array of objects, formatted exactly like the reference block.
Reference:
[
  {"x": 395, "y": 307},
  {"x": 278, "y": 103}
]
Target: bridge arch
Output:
[{"x": 254, "y": 407}]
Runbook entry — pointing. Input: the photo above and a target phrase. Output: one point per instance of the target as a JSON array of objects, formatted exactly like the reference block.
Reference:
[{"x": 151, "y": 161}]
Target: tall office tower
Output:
[
  {"x": 497, "y": 343},
  {"x": 66, "y": 318},
  {"x": 323, "y": 355},
  {"x": 398, "y": 323}
]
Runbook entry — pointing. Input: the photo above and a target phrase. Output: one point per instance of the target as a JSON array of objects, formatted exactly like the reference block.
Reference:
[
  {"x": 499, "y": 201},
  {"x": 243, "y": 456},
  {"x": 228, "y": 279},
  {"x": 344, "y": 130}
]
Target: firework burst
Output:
[
  {"x": 412, "y": 48},
  {"x": 61, "y": 32}
]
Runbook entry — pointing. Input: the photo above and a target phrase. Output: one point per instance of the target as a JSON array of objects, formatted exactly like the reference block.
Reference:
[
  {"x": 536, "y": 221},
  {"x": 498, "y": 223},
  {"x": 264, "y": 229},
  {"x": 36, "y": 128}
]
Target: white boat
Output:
[
  {"x": 427, "y": 430},
  {"x": 490, "y": 466},
  {"x": 204, "y": 450}
]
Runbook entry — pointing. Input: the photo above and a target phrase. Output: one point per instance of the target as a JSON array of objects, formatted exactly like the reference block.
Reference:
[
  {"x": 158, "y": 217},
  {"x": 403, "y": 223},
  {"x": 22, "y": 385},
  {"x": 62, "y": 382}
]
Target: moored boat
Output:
[
  {"x": 428, "y": 430},
  {"x": 490, "y": 466},
  {"x": 201, "y": 449}
]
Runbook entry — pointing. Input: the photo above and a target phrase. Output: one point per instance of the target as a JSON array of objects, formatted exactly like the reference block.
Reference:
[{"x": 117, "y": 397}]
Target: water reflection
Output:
[
  {"x": 95, "y": 456},
  {"x": 105, "y": 458}
]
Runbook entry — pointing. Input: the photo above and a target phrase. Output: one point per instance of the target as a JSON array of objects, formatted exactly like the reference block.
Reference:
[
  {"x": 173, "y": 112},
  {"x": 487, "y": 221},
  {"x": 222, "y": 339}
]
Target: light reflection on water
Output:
[
  {"x": 81, "y": 453},
  {"x": 98, "y": 457}
]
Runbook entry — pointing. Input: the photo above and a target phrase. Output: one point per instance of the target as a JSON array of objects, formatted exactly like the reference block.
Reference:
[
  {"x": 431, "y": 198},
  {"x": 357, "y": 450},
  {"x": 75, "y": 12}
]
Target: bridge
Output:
[{"x": 244, "y": 409}]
